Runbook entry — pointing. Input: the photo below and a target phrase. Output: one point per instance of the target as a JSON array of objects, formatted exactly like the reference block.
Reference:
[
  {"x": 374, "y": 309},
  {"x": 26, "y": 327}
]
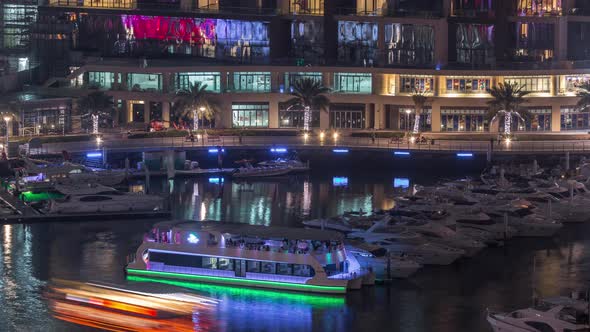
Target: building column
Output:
[
  {"x": 327, "y": 80},
  {"x": 275, "y": 81},
  {"x": 379, "y": 116},
  {"x": 435, "y": 117},
  {"x": 325, "y": 119},
  {"x": 441, "y": 43},
  {"x": 230, "y": 82},
  {"x": 223, "y": 87},
  {"x": 166, "y": 114},
  {"x": 146, "y": 111},
  {"x": 124, "y": 81},
  {"x": 369, "y": 116},
  {"x": 560, "y": 40},
  {"x": 381, "y": 47},
  {"x": 555, "y": 116},
  {"x": 273, "y": 114}
]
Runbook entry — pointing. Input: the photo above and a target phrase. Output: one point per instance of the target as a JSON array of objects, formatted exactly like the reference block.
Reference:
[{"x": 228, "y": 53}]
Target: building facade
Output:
[{"x": 372, "y": 54}]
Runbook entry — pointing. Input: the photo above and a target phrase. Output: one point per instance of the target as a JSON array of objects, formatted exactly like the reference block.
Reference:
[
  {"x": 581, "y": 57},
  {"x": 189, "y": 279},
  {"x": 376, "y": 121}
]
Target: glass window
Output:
[
  {"x": 538, "y": 7},
  {"x": 303, "y": 270},
  {"x": 307, "y": 41},
  {"x": 572, "y": 83},
  {"x": 144, "y": 82},
  {"x": 310, "y": 7},
  {"x": 225, "y": 264},
  {"x": 539, "y": 120},
  {"x": 184, "y": 81},
  {"x": 574, "y": 119},
  {"x": 293, "y": 118},
  {"x": 269, "y": 267},
  {"x": 470, "y": 8},
  {"x": 250, "y": 115},
  {"x": 407, "y": 118},
  {"x": 209, "y": 262},
  {"x": 463, "y": 119},
  {"x": 533, "y": 41},
  {"x": 531, "y": 83},
  {"x": 409, "y": 44},
  {"x": 353, "y": 83},
  {"x": 101, "y": 79},
  {"x": 467, "y": 85},
  {"x": 410, "y": 84},
  {"x": 252, "y": 81},
  {"x": 347, "y": 116},
  {"x": 284, "y": 269},
  {"x": 474, "y": 43},
  {"x": 253, "y": 266},
  {"x": 94, "y": 3},
  {"x": 357, "y": 42},
  {"x": 47, "y": 120},
  {"x": 16, "y": 23},
  {"x": 290, "y": 78}
]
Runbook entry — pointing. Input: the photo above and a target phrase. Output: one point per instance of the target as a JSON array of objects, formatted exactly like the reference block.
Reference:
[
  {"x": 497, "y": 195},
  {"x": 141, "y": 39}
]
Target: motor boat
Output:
[
  {"x": 110, "y": 201},
  {"x": 525, "y": 220},
  {"x": 249, "y": 171},
  {"x": 296, "y": 165},
  {"x": 559, "y": 314},
  {"x": 334, "y": 223},
  {"x": 440, "y": 234},
  {"x": 383, "y": 265},
  {"x": 410, "y": 245}
]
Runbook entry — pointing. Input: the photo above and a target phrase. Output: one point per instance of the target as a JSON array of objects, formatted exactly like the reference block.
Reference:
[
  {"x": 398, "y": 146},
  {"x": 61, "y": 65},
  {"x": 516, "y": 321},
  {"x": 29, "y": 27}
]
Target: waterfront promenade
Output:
[{"x": 118, "y": 144}]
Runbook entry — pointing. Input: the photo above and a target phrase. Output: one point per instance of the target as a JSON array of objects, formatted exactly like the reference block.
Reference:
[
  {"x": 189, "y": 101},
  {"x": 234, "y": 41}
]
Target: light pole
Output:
[
  {"x": 408, "y": 111},
  {"x": 7, "y": 120}
]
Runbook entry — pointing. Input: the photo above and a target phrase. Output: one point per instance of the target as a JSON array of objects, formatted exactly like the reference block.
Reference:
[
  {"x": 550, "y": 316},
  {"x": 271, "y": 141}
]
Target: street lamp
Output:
[
  {"x": 408, "y": 111},
  {"x": 7, "y": 120}
]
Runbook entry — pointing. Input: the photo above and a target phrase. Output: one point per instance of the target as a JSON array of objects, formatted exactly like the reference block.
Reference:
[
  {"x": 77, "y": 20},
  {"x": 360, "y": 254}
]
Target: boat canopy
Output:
[{"x": 245, "y": 230}]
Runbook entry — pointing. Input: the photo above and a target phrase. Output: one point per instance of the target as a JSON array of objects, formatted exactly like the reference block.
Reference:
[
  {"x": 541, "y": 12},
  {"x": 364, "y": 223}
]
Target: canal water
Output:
[{"x": 450, "y": 298}]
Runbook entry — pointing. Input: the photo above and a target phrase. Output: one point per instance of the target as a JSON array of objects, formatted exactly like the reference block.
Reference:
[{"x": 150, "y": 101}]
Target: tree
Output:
[
  {"x": 308, "y": 94},
  {"x": 507, "y": 101},
  {"x": 195, "y": 99},
  {"x": 420, "y": 100},
  {"x": 94, "y": 108},
  {"x": 584, "y": 93}
]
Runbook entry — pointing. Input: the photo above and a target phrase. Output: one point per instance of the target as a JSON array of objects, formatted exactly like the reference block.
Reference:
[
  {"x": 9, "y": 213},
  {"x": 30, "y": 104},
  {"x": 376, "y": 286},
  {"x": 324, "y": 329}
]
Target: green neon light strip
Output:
[
  {"x": 213, "y": 290},
  {"x": 246, "y": 282}
]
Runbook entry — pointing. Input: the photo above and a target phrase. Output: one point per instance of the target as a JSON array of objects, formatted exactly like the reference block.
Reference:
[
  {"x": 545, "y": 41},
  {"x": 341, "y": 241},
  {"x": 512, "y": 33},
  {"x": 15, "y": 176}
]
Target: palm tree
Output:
[
  {"x": 193, "y": 100},
  {"x": 583, "y": 92},
  {"x": 507, "y": 101},
  {"x": 308, "y": 94},
  {"x": 94, "y": 107},
  {"x": 420, "y": 100}
]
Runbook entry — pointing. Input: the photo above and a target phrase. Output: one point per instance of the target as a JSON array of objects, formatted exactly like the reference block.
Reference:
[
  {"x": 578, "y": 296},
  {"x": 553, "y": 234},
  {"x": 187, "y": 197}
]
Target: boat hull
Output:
[{"x": 243, "y": 282}]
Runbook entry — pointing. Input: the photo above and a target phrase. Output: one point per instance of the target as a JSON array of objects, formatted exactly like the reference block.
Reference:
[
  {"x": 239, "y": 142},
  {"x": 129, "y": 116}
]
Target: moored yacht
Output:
[
  {"x": 284, "y": 258},
  {"x": 378, "y": 260}
]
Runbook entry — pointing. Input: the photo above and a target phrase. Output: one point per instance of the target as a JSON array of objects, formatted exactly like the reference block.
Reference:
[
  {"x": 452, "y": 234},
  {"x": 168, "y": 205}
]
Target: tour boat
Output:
[
  {"x": 294, "y": 259},
  {"x": 557, "y": 314},
  {"x": 109, "y": 200}
]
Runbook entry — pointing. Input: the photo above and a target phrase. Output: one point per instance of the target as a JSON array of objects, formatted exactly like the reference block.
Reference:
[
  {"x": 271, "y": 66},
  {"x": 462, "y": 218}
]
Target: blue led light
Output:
[
  {"x": 401, "y": 153},
  {"x": 278, "y": 150},
  {"x": 216, "y": 180},
  {"x": 340, "y": 150},
  {"x": 401, "y": 183},
  {"x": 464, "y": 154},
  {"x": 94, "y": 155},
  {"x": 339, "y": 181},
  {"x": 215, "y": 150}
]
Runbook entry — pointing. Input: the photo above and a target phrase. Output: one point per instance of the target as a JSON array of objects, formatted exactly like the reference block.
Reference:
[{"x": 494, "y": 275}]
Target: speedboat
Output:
[
  {"x": 384, "y": 266},
  {"x": 105, "y": 201},
  {"x": 561, "y": 314},
  {"x": 334, "y": 223},
  {"x": 410, "y": 245}
]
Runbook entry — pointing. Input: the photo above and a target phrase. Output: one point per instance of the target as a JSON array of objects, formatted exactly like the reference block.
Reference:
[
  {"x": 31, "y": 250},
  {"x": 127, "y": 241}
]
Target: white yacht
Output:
[
  {"x": 294, "y": 259},
  {"x": 526, "y": 222},
  {"x": 440, "y": 234},
  {"x": 411, "y": 245},
  {"x": 384, "y": 265},
  {"x": 560, "y": 314},
  {"x": 333, "y": 223},
  {"x": 102, "y": 199}
]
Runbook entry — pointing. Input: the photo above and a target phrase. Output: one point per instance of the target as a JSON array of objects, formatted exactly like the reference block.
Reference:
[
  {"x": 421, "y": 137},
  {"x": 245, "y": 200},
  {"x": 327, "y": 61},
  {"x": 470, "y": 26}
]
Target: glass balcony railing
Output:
[{"x": 107, "y": 4}]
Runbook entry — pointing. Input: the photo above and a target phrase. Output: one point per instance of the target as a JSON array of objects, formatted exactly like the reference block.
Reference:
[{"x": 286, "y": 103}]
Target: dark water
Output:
[{"x": 452, "y": 298}]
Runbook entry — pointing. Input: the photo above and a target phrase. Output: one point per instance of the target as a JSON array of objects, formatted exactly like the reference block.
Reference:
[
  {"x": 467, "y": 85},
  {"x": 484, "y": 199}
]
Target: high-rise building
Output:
[{"x": 372, "y": 53}]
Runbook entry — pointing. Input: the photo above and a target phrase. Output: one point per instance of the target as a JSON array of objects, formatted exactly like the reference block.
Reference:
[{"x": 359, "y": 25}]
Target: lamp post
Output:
[
  {"x": 7, "y": 120},
  {"x": 408, "y": 111}
]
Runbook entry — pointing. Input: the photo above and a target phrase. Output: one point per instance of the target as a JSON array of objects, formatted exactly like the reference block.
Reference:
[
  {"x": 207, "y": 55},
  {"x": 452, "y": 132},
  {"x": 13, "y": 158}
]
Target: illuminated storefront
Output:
[
  {"x": 352, "y": 83},
  {"x": 249, "y": 115},
  {"x": 574, "y": 119},
  {"x": 347, "y": 116},
  {"x": 463, "y": 119},
  {"x": 184, "y": 81}
]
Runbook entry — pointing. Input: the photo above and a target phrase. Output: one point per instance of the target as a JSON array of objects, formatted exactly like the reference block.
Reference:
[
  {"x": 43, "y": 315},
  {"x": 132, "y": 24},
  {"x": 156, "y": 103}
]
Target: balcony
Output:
[{"x": 106, "y": 4}]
